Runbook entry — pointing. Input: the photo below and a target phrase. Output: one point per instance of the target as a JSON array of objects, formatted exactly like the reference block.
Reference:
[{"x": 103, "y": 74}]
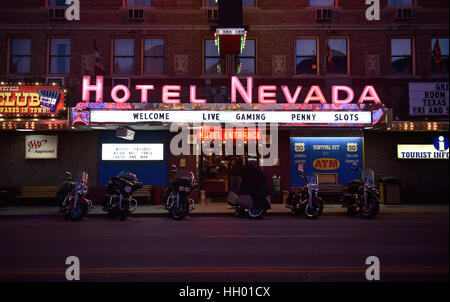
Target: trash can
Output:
[
  {"x": 389, "y": 190},
  {"x": 3, "y": 199}
]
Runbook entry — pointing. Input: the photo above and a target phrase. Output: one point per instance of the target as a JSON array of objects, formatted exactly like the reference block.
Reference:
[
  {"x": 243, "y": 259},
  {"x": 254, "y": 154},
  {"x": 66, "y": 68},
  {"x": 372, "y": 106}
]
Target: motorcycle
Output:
[
  {"x": 118, "y": 200},
  {"x": 253, "y": 196},
  {"x": 75, "y": 205},
  {"x": 361, "y": 196},
  {"x": 305, "y": 200},
  {"x": 176, "y": 198}
]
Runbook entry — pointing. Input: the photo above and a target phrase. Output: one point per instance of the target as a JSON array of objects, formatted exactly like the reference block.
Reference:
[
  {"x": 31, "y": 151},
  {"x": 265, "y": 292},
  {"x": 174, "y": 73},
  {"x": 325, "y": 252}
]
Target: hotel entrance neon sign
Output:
[{"x": 266, "y": 93}]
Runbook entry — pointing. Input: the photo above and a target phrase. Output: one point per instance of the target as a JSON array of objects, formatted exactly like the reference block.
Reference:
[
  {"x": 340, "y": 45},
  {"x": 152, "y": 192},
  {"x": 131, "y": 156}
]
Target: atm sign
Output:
[{"x": 326, "y": 164}]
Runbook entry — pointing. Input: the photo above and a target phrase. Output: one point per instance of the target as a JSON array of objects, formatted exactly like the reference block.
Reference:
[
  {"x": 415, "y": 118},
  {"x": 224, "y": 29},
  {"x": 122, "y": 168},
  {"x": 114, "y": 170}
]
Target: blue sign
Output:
[
  {"x": 328, "y": 159},
  {"x": 441, "y": 143}
]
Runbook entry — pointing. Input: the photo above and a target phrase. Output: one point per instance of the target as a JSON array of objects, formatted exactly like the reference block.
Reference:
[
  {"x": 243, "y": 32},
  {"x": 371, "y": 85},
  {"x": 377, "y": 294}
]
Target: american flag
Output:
[
  {"x": 329, "y": 58},
  {"x": 437, "y": 57}
]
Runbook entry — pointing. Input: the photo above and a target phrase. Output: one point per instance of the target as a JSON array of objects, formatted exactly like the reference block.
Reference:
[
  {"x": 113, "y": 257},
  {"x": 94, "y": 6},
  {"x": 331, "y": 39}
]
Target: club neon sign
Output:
[{"x": 267, "y": 94}]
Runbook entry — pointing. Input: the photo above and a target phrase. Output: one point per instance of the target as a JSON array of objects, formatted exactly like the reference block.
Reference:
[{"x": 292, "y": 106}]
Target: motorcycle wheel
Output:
[
  {"x": 181, "y": 211},
  {"x": 256, "y": 213},
  {"x": 77, "y": 213},
  {"x": 124, "y": 211},
  {"x": 370, "y": 210},
  {"x": 314, "y": 209}
]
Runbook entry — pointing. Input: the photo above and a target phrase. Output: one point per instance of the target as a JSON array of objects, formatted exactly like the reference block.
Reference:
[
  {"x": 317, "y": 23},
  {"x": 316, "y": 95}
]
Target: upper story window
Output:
[
  {"x": 139, "y": 3},
  {"x": 123, "y": 56},
  {"x": 60, "y": 56},
  {"x": 305, "y": 56},
  {"x": 214, "y": 63},
  {"x": 439, "y": 51},
  {"x": 20, "y": 56},
  {"x": 321, "y": 3},
  {"x": 401, "y": 56},
  {"x": 246, "y": 61},
  {"x": 57, "y": 3},
  {"x": 245, "y": 3},
  {"x": 336, "y": 56},
  {"x": 154, "y": 50},
  {"x": 400, "y": 3}
]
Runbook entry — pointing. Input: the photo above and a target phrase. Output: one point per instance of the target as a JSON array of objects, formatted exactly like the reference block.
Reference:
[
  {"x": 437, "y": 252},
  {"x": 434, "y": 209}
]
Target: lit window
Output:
[
  {"x": 321, "y": 3},
  {"x": 139, "y": 3},
  {"x": 305, "y": 56},
  {"x": 439, "y": 51},
  {"x": 400, "y": 2},
  {"x": 60, "y": 56},
  {"x": 336, "y": 56},
  {"x": 214, "y": 63},
  {"x": 246, "y": 60},
  {"x": 154, "y": 56},
  {"x": 123, "y": 56},
  {"x": 20, "y": 56},
  {"x": 401, "y": 56}
]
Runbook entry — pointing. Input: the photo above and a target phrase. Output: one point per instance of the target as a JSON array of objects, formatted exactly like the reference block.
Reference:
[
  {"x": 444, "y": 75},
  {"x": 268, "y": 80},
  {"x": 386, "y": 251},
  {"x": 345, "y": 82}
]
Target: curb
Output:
[{"x": 222, "y": 214}]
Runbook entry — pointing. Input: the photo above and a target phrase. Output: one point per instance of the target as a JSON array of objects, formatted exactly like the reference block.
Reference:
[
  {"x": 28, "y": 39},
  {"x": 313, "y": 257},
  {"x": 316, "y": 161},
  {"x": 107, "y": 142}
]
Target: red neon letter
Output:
[
  {"x": 166, "y": 94},
  {"x": 335, "y": 94},
  {"x": 98, "y": 88},
  {"x": 291, "y": 99},
  {"x": 116, "y": 89},
  {"x": 193, "y": 96},
  {"x": 262, "y": 94},
  {"x": 317, "y": 97},
  {"x": 246, "y": 95},
  {"x": 373, "y": 95},
  {"x": 144, "y": 92}
]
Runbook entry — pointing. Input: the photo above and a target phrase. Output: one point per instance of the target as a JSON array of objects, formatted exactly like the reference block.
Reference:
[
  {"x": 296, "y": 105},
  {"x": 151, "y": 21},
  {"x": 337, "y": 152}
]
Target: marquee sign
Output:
[
  {"x": 279, "y": 117},
  {"x": 30, "y": 100},
  {"x": 428, "y": 99}
]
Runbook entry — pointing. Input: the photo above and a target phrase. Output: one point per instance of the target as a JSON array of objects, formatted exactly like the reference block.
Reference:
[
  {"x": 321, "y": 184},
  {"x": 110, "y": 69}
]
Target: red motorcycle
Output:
[{"x": 76, "y": 206}]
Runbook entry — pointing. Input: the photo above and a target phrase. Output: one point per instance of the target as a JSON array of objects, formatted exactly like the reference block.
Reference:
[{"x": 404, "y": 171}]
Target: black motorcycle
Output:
[
  {"x": 75, "y": 205},
  {"x": 252, "y": 196},
  {"x": 361, "y": 196},
  {"x": 118, "y": 200},
  {"x": 176, "y": 198},
  {"x": 306, "y": 200}
]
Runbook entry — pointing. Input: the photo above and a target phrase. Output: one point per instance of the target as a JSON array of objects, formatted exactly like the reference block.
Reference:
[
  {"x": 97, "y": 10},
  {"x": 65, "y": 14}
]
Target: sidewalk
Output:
[{"x": 221, "y": 209}]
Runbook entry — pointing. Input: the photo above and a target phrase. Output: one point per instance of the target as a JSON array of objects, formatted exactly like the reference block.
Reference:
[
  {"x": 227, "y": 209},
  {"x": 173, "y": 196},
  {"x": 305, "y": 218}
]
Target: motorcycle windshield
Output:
[
  {"x": 369, "y": 176},
  {"x": 183, "y": 174}
]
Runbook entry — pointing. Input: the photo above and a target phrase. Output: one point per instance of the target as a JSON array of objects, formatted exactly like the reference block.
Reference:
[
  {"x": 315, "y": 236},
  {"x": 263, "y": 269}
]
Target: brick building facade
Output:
[{"x": 173, "y": 35}]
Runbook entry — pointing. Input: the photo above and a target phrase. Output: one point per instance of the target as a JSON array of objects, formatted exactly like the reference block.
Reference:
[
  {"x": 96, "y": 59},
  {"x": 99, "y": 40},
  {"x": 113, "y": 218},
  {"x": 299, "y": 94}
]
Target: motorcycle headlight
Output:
[
  {"x": 181, "y": 188},
  {"x": 127, "y": 189},
  {"x": 187, "y": 189}
]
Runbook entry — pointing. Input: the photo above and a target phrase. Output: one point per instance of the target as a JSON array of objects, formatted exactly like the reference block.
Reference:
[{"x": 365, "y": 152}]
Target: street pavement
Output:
[{"x": 277, "y": 248}]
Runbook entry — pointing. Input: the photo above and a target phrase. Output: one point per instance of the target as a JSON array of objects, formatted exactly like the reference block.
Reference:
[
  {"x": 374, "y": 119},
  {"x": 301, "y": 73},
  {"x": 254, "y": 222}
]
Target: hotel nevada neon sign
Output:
[{"x": 313, "y": 110}]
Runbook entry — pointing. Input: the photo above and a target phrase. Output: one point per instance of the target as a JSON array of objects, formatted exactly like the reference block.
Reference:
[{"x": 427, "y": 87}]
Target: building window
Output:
[
  {"x": 400, "y": 2},
  {"x": 245, "y": 3},
  {"x": 214, "y": 63},
  {"x": 20, "y": 56},
  {"x": 60, "y": 56},
  {"x": 336, "y": 56},
  {"x": 305, "y": 56},
  {"x": 321, "y": 3},
  {"x": 123, "y": 56},
  {"x": 57, "y": 3},
  {"x": 139, "y": 3},
  {"x": 245, "y": 62},
  {"x": 154, "y": 56},
  {"x": 439, "y": 51},
  {"x": 401, "y": 56}
]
